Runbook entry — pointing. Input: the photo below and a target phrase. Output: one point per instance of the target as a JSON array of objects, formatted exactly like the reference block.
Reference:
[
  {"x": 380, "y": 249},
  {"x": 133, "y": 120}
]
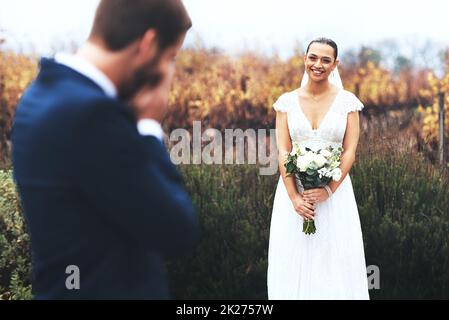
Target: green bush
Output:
[
  {"x": 403, "y": 204},
  {"x": 230, "y": 262},
  {"x": 14, "y": 244}
]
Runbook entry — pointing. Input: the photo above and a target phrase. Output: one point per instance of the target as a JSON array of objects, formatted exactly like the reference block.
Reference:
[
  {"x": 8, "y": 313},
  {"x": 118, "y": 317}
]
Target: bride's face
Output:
[{"x": 320, "y": 61}]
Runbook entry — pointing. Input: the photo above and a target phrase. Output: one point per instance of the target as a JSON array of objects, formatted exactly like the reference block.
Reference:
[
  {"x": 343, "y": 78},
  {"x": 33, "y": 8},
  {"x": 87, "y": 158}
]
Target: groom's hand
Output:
[{"x": 151, "y": 102}]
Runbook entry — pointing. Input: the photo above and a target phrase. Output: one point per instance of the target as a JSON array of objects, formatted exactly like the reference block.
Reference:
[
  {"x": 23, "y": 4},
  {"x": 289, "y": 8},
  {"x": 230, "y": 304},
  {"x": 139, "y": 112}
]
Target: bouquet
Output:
[{"x": 314, "y": 169}]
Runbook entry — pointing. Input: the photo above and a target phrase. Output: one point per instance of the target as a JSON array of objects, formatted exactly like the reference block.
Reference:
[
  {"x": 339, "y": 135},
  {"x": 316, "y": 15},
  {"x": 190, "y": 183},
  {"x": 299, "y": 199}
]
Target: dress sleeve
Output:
[
  {"x": 281, "y": 104},
  {"x": 353, "y": 103}
]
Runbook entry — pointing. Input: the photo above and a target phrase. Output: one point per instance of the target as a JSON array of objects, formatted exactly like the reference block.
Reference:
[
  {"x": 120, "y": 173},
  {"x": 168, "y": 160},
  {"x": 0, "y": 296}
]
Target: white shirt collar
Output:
[{"x": 88, "y": 70}]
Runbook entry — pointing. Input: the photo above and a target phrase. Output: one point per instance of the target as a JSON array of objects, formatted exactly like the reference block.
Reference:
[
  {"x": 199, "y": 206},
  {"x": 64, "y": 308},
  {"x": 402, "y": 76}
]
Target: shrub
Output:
[
  {"x": 230, "y": 262},
  {"x": 14, "y": 244},
  {"x": 402, "y": 203}
]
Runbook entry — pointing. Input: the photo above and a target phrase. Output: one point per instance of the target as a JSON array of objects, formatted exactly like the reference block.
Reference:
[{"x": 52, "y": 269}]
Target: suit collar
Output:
[
  {"x": 50, "y": 70},
  {"x": 88, "y": 70}
]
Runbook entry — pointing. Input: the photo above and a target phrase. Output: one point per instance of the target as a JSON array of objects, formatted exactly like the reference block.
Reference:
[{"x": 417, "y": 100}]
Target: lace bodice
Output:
[{"x": 332, "y": 127}]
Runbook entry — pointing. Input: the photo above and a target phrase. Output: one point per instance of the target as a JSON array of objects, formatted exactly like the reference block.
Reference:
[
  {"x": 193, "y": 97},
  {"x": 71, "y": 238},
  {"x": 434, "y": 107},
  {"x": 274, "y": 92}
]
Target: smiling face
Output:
[{"x": 320, "y": 61}]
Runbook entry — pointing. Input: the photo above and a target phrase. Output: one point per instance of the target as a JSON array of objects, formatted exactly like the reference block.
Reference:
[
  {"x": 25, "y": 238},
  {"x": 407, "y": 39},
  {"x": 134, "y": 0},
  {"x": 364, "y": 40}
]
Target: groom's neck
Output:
[{"x": 110, "y": 63}]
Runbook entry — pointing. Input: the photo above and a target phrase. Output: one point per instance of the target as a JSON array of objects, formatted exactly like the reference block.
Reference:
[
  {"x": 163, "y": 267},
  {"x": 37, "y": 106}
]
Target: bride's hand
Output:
[
  {"x": 303, "y": 208},
  {"x": 315, "y": 195}
]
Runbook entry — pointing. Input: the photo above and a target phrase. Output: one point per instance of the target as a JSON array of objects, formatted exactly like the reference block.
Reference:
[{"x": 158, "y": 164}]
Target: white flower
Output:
[
  {"x": 326, "y": 172},
  {"x": 336, "y": 174},
  {"x": 314, "y": 148},
  {"x": 322, "y": 172},
  {"x": 325, "y": 153},
  {"x": 319, "y": 160},
  {"x": 304, "y": 161},
  {"x": 300, "y": 150}
]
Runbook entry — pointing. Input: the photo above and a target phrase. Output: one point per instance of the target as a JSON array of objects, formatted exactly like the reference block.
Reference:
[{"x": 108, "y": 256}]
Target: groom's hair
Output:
[{"x": 118, "y": 23}]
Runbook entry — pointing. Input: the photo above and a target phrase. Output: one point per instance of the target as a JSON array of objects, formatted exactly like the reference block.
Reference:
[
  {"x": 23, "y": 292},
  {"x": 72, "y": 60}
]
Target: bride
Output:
[{"x": 329, "y": 264}]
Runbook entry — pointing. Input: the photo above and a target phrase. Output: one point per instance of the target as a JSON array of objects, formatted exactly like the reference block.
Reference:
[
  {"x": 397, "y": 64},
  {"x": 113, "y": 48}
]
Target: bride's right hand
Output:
[{"x": 303, "y": 208}]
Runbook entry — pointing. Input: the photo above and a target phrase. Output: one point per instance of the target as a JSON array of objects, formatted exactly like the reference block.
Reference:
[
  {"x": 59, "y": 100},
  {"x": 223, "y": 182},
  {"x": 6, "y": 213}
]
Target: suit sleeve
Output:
[{"x": 133, "y": 184}]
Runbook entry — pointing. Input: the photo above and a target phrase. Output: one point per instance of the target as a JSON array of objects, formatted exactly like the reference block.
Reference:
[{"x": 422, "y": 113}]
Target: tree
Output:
[{"x": 368, "y": 54}]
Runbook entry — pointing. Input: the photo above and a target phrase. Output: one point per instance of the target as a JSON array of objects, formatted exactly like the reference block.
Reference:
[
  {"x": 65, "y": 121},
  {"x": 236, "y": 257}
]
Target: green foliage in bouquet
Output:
[
  {"x": 313, "y": 173},
  {"x": 310, "y": 178}
]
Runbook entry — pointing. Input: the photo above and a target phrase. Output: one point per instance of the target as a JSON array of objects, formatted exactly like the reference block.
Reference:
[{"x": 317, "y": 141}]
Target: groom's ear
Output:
[{"x": 148, "y": 45}]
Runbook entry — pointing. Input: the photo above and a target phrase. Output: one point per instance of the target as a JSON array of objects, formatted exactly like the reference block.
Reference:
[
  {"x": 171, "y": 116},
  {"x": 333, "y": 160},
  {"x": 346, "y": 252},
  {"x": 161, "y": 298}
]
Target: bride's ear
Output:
[{"x": 336, "y": 64}]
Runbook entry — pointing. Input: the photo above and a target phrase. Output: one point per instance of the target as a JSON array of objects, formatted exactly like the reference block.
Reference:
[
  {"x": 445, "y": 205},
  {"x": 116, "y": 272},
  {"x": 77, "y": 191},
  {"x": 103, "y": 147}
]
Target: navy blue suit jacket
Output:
[{"x": 95, "y": 193}]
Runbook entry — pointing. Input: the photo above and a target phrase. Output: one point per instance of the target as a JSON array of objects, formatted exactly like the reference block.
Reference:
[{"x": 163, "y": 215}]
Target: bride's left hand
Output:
[{"x": 316, "y": 195}]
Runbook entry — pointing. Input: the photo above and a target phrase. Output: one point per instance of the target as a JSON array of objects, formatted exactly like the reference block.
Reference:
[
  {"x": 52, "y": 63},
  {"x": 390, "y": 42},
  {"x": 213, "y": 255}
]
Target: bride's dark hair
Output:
[{"x": 327, "y": 41}]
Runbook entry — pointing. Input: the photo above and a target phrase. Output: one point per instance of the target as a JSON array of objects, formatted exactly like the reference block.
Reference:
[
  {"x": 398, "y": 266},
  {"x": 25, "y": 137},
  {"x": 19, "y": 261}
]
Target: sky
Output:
[{"x": 236, "y": 25}]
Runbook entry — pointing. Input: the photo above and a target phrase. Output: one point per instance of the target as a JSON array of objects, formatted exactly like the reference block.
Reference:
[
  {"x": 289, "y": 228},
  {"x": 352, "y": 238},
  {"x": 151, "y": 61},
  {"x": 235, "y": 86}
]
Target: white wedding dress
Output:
[{"x": 329, "y": 264}]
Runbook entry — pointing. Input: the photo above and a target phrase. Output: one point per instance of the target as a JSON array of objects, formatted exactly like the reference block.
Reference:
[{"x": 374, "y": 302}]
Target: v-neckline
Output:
[{"x": 325, "y": 115}]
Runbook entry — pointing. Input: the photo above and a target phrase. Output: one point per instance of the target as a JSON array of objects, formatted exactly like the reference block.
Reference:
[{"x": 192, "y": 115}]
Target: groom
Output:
[{"x": 102, "y": 201}]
